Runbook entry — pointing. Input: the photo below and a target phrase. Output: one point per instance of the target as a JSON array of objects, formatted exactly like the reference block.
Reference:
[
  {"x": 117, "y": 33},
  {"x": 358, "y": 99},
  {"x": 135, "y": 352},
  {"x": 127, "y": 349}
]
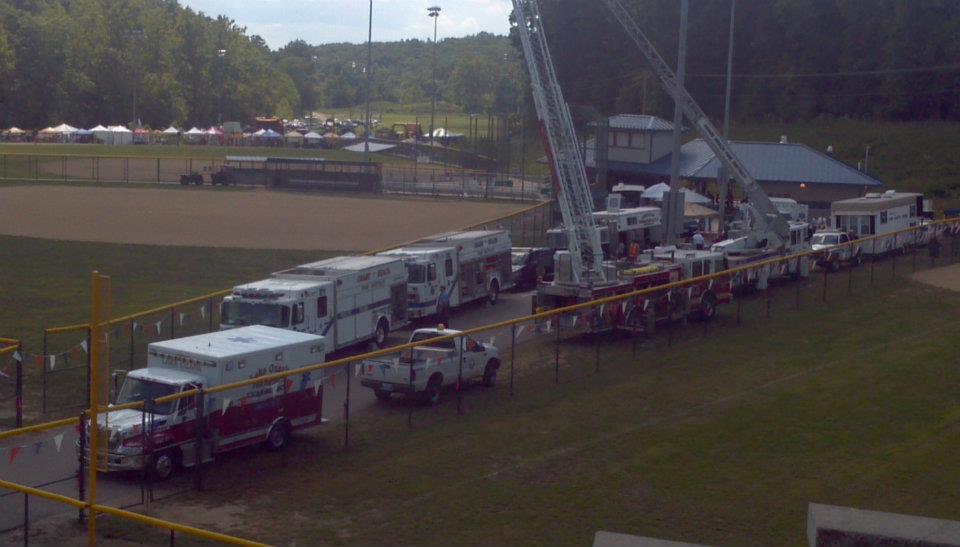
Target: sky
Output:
[{"x": 326, "y": 21}]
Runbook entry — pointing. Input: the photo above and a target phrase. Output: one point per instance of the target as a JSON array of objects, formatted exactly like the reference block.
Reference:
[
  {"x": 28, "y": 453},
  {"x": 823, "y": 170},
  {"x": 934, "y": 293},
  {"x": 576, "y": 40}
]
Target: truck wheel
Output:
[
  {"x": 380, "y": 335},
  {"x": 431, "y": 395},
  {"x": 381, "y": 394},
  {"x": 494, "y": 292},
  {"x": 278, "y": 436},
  {"x": 162, "y": 465},
  {"x": 490, "y": 373}
]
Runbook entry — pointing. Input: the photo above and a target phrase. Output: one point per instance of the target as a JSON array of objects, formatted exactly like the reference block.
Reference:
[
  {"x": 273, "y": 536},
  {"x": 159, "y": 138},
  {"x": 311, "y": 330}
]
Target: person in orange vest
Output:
[{"x": 633, "y": 251}]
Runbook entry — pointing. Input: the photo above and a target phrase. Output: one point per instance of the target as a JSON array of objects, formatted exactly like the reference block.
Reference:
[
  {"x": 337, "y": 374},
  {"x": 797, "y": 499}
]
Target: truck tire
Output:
[
  {"x": 381, "y": 333},
  {"x": 494, "y": 294},
  {"x": 381, "y": 394},
  {"x": 490, "y": 373},
  {"x": 431, "y": 395},
  {"x": 278, "y": 436},
  {"x": 163, "y": 465}
]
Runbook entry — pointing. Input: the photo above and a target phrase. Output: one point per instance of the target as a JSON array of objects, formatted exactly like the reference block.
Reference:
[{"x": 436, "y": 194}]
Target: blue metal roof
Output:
[
  {"x": 638, "y": 122},
  {"x": 767, "y": 162}
]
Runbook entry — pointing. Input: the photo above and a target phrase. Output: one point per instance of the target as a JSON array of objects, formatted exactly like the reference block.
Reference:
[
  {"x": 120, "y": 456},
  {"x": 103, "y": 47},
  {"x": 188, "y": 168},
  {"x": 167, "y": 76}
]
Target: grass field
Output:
[{"x": 722, "y": 442}]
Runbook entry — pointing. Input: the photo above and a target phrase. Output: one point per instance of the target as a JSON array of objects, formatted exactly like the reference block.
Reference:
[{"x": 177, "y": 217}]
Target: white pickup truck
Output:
[
  {"x": 426, "y": 369},
  {"x": 834, "y": 250}
]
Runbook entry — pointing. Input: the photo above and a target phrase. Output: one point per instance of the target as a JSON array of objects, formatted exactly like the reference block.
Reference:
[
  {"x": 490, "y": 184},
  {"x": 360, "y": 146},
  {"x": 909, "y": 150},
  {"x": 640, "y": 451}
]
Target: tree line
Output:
[{"x": 881, "y": 60}]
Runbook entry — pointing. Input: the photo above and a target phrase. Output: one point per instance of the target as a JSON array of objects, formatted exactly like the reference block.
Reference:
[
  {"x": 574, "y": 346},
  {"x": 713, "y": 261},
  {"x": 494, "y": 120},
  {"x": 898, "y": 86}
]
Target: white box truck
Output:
[
  {"x": 259, "y": 413},
  {"x": 348, "y": 299},
  {"x": 450, "y": 270},
  {"x": 880, "y": 214}
]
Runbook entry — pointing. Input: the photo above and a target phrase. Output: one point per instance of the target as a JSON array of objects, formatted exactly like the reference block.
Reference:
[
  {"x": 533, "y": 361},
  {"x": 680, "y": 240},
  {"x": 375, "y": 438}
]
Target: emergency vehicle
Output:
[
  {"x": 258, "y": 413},
  {"x": 453, "y": 269},
  {"x": 880, "y": 215},
  {"x": 348, "y": 299},
  {"x": 653, "y": 268}
]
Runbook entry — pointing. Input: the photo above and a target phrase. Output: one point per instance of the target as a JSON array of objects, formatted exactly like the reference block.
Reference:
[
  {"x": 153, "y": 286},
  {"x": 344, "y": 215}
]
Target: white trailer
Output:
[
  {"x": 450, "y": 270},
  {"x": 258, "y": 413},
  {"x": 880, "y": 215},
  {"x": 349, "y": 299}
]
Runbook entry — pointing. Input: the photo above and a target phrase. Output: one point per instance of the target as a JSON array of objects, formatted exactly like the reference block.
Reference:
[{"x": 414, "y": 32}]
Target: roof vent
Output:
[
  {"x": 783, "y": 139},
  {"x": 830, "y": 149}
]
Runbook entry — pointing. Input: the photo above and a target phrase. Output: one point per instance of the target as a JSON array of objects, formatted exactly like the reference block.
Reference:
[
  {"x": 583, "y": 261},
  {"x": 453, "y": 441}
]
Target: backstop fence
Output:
[{"x": 408, "y": 178}]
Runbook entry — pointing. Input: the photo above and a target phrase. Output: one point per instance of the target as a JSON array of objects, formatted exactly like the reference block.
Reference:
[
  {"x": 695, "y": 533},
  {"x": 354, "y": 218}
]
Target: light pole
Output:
[
  {"x": 366, "y": 132},
  {"x": 433, "y": 12},
  {"x": 135, "y": 36},
  {"x": 724, "y": 177},
  {"x": 221, "y": 53}
]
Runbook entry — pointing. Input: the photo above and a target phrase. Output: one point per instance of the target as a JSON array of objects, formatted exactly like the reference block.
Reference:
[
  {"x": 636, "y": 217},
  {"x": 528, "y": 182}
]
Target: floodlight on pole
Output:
[
  {"x": 221, "y": 53},
  {"x": 366, "y": 131},
  {"x": 433, "y": 12}
]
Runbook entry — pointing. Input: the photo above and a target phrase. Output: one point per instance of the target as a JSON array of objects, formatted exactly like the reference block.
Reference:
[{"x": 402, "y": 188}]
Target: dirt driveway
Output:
[
  {"x": 253, "y": 219},
  {"x": 946, "y": 277}
]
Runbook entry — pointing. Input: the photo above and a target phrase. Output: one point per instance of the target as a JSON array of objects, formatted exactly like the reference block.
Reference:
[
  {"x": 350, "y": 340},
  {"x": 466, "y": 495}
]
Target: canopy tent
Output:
[
  {"x": 708, "y": 218},
  {"x": 194, "y": 131},
  {"x": 293, "y": 135},
  {"x": 60, "y": 133},
  {"x": 171, "y": 131},
  {"x": 62, "y": 129},
  {"x": 313, "y": 136},
  {"x": 14, "y": 134},
  {"x": 213, "y": 131},
  {"x": 349, "y": 135},
  {"x": 657, "y": 191},
  {"x": 14, "y": 131},
  {"x": 269, "y": 134}
]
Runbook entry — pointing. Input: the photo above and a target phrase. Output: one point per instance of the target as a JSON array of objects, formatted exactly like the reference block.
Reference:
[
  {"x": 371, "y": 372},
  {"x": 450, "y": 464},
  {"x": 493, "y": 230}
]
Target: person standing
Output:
[{"x": 698, "y": 240}]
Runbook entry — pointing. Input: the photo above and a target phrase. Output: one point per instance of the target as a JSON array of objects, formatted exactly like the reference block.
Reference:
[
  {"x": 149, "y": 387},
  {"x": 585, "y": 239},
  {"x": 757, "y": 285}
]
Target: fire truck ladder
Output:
[
  {"x": 569, "y": 176},
  {"x": 775, "y": 226}
]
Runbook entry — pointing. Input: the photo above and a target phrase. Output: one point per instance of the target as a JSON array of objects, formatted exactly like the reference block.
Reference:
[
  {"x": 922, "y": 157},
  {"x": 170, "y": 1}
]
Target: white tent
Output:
[
  {"x": 194, "y": 131},
  {"x": 102, "y": 134},
  {"x": 120, "y": 135},
  {"x": 14, "y": 131},
  {"x": 349, "y": 135},
  {"x": 313, "y": 136},
  {"x": 657, "y": 191},
  {"x": 63, "y": 129},
  {"x": 171, "y": 131}
]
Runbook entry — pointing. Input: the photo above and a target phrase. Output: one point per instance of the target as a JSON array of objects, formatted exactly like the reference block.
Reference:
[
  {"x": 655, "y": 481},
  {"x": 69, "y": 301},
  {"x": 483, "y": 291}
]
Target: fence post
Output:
[
  {"x": 460, "y": 377},
  {"x": 739, "y": 309},
  {"x": 19, "y": 392},
  {"x": 43, "y": 372},
  {"x": 87, "y": 381},
  {"x": 768, "y": 296},
  {"x": 346, "y": 410},
  {"x": 26, "y": 519},
  {"x": 513, "y": 346},
  {"x": 596, "y": 335},
  {"x": 798, "y": 284},
  {"x": 913, "y": 255},
  {"x": 200, "y": 434},
  {"x": 158, "y": 170},
  {"x": 825, "y": 269},
  {"x": 411, "y": 392},
  {"x": 81, "y": 468},
  {"x": 132, "y": 323},
  {"x": 173, "y": 323},
  {"x": 873, "y": 257},
  {"x": 893, "y": 265},
  {"x": 850, "y": 279},
  {"x": 556, "y": 351},
  {"x": 210, "y": 314}
]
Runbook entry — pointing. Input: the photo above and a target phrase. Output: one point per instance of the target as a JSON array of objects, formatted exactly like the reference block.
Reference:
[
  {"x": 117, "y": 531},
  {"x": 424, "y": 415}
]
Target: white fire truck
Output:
[
  {"x": 259, "y": 413},
  {"x": 348, "y": 299},
  {"x": 453, "y": 269}
]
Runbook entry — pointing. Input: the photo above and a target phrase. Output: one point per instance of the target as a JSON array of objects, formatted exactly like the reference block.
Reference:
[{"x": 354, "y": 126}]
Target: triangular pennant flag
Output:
[
  {"x": 623, "y": 307},
  {"x": 574, "y": 324},
  {"x": 83, "y": 346},
  {"x": 601, "y": 310},
  {"x": 224, "y": 405},
  {"x": 137, "y": 328},
  {"x": 273, "y": 390},
  {"x": 520, "y": 330},
  {"x": 549, "y": 324},
  {"x": 203, "y": 312},
  {"x": 710, "y": 284},
  {"x": 183, "y": 318},
  {"x": 36, "y": 447},
  {"x": 53, "y": 361},
  {"x": 646, "y": 304},
  {"x": 14, "y": 450},
  {"x": 58, "y": 441},
  {"x": 356, "y": 369},
  {"x": 317, "y": 385},
  {"x": 159, "y": 325},
  {"x": 17, "y": 357},
  {"x": 287, "y": 385}
]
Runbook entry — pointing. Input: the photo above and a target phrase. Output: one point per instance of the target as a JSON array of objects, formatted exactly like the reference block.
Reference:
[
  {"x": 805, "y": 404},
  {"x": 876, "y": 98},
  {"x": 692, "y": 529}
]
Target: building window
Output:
[
  {"x": 623, "y": 139},
  {"x": 883, "y": 217}
]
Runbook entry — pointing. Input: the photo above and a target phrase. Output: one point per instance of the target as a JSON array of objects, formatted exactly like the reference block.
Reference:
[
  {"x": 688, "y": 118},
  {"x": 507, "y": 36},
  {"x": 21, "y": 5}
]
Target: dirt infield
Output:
[
  {"x": 947, "y": 277},
  {"x": 253, "y": 219}
]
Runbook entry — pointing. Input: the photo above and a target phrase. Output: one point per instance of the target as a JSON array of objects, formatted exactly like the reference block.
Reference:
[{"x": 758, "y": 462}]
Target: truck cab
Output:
[
  {"x": 282, "y": 303},
  {"x": 833, "y": 249}
]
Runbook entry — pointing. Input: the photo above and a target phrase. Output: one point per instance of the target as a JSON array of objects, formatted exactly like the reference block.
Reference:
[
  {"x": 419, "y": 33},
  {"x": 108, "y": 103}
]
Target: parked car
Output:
[{"x": 530, "y": 264}]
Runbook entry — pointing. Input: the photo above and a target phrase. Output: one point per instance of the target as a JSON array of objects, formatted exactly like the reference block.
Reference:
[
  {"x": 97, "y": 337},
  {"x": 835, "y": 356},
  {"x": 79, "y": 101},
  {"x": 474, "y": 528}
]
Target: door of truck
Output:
[
  {"x": 447, "y": 277},
  {"x": 346, "y": 320}
]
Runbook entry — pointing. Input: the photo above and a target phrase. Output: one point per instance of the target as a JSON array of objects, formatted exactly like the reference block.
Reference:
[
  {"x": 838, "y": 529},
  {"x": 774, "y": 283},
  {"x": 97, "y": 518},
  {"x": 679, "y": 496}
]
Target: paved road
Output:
[{"x": 51, "y": 456}]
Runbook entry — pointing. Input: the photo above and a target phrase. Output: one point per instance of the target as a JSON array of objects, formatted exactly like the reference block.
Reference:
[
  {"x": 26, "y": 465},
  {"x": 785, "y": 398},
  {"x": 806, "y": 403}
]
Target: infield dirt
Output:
[{"x": 252, "y": 219}]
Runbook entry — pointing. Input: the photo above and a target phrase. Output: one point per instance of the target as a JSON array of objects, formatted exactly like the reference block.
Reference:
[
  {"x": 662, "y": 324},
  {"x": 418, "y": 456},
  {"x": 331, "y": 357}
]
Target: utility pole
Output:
[
  {"x": 366, "y": 133},
  {"x": 135, "y": 36},
  {"x": 434, "y": 12},
  {"x": 221, "y": 54},
  {"x": 723, "y": 179},
  {"x": 673, "y": 200}
]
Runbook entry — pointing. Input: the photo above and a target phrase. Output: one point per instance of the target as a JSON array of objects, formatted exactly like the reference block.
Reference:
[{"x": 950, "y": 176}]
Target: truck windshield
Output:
[
  {"x": 135, "y": 389},
  {"x": 518, "y": 259},
  {"x": 422, "y": 336},
  {"x": 826, "y": 239},
  {"x": 416, "y": 273},
  {"x": 238, "y": 314}
]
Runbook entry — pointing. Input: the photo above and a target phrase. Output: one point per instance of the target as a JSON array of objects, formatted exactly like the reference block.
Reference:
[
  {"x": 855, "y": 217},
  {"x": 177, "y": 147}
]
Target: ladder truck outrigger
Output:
[{"x": 581, "y": 274}]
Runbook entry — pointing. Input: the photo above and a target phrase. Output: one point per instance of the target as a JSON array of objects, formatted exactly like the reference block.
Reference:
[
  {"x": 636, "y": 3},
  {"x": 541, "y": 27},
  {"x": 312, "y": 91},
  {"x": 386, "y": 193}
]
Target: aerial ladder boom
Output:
[
  {"x": 556, "y": 126},
  {"x": 775, "y": 228}
]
